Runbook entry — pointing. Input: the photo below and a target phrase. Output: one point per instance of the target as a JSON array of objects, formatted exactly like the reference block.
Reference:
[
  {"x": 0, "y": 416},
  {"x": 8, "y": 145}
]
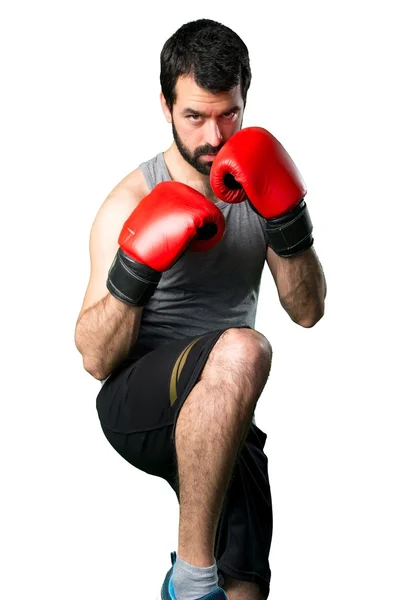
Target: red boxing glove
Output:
[
  {"x": 252, "y": 164},
  {"x": 171, "y": 219}
]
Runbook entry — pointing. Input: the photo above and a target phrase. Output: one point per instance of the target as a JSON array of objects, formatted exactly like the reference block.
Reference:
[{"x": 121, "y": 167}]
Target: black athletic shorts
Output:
[{"x": 138, "y": 407}]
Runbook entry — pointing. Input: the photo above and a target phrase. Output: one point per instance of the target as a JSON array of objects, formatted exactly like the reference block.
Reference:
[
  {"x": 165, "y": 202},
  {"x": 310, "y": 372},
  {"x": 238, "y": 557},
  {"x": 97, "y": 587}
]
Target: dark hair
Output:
[{"x": 212, "y": 53}]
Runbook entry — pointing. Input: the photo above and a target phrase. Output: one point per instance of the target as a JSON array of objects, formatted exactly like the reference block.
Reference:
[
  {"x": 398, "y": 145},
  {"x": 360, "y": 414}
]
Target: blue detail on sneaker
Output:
[{"x": 168, "y": 593}]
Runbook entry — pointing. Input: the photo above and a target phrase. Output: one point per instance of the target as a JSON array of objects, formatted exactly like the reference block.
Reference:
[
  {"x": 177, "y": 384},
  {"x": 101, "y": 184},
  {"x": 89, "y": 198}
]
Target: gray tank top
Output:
[{"x": 206, "y": 291}]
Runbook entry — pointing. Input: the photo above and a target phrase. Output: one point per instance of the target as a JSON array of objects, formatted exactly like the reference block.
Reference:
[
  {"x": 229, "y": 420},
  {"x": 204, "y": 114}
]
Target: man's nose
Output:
[{"x": 213, "y": 134}]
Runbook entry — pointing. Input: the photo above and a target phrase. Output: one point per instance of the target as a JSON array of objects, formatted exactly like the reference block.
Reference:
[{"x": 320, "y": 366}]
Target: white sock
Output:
[{"x": 191, "y": 582}]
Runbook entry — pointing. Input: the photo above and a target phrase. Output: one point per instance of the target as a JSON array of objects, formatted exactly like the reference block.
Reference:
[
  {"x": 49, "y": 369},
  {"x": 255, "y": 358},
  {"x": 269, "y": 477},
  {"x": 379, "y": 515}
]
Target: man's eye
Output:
[
  {"x": 230, "y": 115},
  {"x": 194, "y": 117}
]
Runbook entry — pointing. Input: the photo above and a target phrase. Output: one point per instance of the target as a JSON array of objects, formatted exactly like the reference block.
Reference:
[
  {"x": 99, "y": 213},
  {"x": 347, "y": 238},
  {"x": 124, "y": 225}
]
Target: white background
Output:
[{"x": 79, "y": 111}]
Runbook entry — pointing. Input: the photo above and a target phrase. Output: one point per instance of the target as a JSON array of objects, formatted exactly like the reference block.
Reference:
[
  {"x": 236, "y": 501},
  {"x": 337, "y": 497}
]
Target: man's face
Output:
[{"x": 202, "y": 122}]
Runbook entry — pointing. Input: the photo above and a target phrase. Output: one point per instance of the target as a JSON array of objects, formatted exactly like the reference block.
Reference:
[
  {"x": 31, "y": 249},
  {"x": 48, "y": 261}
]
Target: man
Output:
[{"x": 167, "y": 323}]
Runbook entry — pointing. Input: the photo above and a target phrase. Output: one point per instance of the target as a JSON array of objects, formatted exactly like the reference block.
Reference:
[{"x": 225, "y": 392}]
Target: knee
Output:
[{"x": 248, "y": 347}]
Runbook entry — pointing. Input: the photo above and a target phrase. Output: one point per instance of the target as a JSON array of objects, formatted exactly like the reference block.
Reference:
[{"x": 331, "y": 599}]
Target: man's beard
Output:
[{"x": 194, "y": 158}]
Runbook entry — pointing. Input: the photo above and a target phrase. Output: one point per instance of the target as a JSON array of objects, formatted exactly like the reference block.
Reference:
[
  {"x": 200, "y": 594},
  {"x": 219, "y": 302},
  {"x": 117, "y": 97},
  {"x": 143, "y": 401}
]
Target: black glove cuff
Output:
[
  {"x": 131, "y": 282},
  {"x": 290, "y": 233}
]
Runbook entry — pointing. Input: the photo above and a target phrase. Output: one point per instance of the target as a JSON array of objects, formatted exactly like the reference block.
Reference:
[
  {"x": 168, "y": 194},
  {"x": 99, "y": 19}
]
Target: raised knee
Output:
[
  {"x": 248, "y": 344},
  {"x": 242, "y": 355}
]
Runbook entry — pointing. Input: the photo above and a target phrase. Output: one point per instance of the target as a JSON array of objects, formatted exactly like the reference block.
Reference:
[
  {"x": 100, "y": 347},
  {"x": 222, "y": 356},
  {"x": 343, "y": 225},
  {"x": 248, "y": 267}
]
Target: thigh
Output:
[
  {"x": 244, "y": 531},
  {"x": 139, "y": 404}
]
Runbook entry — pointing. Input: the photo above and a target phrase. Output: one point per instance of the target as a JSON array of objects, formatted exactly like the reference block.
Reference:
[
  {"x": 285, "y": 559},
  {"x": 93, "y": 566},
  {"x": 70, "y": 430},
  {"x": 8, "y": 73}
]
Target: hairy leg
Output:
[
  {"x": 210, "y": 431},
  {"x": 242, "y": 590}
]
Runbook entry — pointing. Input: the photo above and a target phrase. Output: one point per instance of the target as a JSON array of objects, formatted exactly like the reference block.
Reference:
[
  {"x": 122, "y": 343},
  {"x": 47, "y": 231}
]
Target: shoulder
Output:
[
  {"x": 131, "y": 189},
  {"x": 105, "y": 230},
  {"x": 122, "y": 199},
  {"x": 120, "y": 202}
]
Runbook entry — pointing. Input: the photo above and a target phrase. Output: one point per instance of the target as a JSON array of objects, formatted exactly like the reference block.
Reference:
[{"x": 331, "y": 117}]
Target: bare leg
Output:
[
  {"x": 210, "y": 431},
  {"x": 242, "y": 590}
]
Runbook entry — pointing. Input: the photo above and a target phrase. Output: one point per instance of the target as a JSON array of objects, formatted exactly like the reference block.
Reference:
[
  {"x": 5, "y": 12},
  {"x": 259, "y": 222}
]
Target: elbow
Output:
[
  {"x": 94, "y": 369},
  {"x": 91, "y": 366},
  {"x": 312, "y": 319},
  {"x": 97, "y": 374}
]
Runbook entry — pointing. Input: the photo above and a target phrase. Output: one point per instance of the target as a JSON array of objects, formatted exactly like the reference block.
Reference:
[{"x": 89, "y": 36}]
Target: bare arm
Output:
[
  {"x": 104, "y": 334},
  {"x": 301, "y": 285},
  {"x": 106, "y": 328}
]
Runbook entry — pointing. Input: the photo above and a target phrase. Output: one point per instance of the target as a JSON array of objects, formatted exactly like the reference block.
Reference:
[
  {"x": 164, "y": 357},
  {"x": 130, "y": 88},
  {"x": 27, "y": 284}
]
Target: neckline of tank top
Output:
[{"x": 219, "y": 203}]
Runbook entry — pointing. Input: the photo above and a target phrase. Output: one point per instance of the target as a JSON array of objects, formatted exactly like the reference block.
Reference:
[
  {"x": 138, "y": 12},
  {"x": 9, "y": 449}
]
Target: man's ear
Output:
[{"x": 165, "y": 109}]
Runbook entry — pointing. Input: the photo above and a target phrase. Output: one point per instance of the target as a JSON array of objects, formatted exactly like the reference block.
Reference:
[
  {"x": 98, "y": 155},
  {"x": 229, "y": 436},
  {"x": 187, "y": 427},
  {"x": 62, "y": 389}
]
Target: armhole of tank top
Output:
[
  {"x": 147, "y": 175},
  {"x": 164, "y": 169},
  {"x": 264, "y": 228}
]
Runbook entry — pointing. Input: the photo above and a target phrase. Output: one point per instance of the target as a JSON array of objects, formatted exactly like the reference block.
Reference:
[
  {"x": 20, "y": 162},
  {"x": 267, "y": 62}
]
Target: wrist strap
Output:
[
  {"x": 131, "y": 282},
  {"x": 290, "y": 233}
]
